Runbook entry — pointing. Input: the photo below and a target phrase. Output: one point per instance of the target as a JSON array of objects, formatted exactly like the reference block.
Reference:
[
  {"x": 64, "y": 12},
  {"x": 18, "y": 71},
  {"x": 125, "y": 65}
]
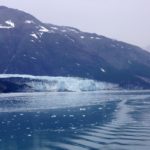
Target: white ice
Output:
[
  {"x": 103, "y": 70},
  {"x": 55, "y": 84}
]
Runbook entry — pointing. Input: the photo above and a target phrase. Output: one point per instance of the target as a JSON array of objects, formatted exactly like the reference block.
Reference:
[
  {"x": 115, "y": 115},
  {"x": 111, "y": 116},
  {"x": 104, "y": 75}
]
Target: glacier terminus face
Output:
[{"x": 59, "y": 84}]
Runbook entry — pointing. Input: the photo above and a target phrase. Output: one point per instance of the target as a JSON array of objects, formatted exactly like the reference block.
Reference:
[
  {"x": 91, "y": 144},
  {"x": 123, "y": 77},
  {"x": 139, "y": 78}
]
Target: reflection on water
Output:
[{"x": 75, "y": 121}]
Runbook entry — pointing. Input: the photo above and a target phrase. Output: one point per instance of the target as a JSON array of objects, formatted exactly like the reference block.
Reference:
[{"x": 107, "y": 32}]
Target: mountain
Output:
[{"x": 29, "y": 46}]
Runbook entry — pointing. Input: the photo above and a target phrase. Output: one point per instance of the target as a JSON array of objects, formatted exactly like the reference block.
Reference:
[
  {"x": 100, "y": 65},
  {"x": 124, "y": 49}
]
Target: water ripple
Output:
[{"x": 75, "y": 121}]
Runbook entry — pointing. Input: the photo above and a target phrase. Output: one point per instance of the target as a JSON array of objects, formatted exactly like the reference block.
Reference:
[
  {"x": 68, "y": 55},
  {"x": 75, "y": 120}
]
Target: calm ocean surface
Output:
[{"x": 106, "y": 120}]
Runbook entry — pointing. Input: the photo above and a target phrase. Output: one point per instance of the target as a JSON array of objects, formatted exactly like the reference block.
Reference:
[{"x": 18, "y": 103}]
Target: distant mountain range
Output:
[{"x": 29, "y": 46}]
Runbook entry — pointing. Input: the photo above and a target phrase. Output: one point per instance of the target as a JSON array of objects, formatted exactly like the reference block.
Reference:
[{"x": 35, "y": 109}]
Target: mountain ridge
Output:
[{"x": 29, "y": 46}]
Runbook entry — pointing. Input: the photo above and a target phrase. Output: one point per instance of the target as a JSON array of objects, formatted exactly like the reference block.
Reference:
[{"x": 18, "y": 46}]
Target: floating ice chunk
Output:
[
  {"x": 71, "y": 116},
  {"x": 33, "y": 58},
  {"x": 129, "y": 62},
  {"x": 92, "y": 37},
  {"x": 82, "y": 109},
  {"x": 53, "y": 116},
  {"x": 29, "y": 135},
  {"x": 78, "y": 64},
  {"x": 100, "y": 108},
  {"x": 21, "y": 114},
  {"x": 103, "y": 70}
]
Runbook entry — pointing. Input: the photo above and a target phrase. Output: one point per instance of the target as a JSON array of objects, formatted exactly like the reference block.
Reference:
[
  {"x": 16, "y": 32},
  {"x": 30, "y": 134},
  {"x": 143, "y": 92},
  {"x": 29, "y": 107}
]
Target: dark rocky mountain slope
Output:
[{"x": 28, "y": 46}]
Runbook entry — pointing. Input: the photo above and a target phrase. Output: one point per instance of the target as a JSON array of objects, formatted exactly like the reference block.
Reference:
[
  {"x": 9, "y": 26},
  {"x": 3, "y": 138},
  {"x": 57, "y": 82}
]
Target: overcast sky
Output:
[{"x": 126, "y": 20}]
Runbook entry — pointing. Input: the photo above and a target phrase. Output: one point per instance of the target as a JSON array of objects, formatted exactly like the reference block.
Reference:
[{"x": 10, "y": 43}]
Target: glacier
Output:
[{"x": 59, "y": 84}]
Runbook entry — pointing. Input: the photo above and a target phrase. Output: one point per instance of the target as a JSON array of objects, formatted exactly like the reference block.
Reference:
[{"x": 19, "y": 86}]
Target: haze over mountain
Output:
[
  {"x": 147, "y": 48},
  {"x": 28, "y": 46}
]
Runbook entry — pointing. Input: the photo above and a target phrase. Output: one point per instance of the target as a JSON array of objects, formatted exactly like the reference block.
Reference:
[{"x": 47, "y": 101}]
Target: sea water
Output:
[{"x": 107, "y": 120}]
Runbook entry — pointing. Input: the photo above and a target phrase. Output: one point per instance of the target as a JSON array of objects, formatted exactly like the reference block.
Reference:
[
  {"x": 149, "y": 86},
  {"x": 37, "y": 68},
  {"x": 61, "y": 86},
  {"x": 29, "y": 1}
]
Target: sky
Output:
[{"x": 124, "y": 20}]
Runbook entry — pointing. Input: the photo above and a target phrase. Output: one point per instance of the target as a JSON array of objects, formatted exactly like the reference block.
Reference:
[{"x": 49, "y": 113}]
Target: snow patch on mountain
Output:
[
  {"x": 98, "y": 38},
  {"x": 9, "y": 25},
  {"x": 54, "y": 28},
  {"x": 34, "y": 35},
  {"x": 73, "y": 30},
  {"x": 43, "y": 29},
  {"x": 82, "y": 37},
  {"x": 29, "y": 21},
  {"x": 9, "y": 22}
]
